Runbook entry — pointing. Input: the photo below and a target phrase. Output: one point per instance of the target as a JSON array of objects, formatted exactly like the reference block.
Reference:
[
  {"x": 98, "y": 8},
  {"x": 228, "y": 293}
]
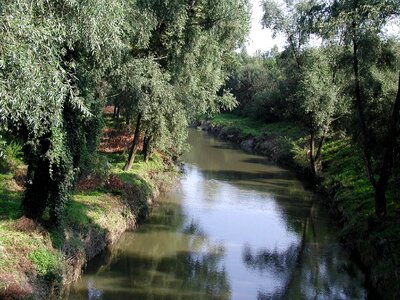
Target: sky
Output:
[{"x": 261, "y": 39}]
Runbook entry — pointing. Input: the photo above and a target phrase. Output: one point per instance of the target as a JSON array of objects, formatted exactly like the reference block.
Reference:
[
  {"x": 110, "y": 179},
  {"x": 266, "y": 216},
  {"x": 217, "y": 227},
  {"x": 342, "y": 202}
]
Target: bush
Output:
[
  {"x": 300, "y": 156},
  {"x": 10, "y": 155},
  {"x": 98, "y": 167}
]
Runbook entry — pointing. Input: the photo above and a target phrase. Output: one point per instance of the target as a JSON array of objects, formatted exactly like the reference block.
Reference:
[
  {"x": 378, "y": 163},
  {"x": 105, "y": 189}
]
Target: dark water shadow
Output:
[
  {"x": 185, "y": 275},
  {"x": 168, "y": 217},
  {"x": 256, "y": 160},
  {"x": 226, "y": 146},
  {"x": 232, "y": 175}
]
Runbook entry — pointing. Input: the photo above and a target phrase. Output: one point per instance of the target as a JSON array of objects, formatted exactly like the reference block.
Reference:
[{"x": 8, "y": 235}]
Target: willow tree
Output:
[
  {"x": 53, "y": 58},
  {"x": 314, "y": 94},
  {"x": 374, "y": 75},
  {"x": 158, "y": 114},
  {"x": 318, "y": 103},
  {"x": 191, "y": 46}
]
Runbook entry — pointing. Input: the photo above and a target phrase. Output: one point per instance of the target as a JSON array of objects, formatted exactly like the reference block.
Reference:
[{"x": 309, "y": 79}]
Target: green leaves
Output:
[
  {"x": 179, "y": 64},
  {"x": 31, "y": 78},
  {"x": 318, "y": 96},
  {"x": 60, "y": 59}
]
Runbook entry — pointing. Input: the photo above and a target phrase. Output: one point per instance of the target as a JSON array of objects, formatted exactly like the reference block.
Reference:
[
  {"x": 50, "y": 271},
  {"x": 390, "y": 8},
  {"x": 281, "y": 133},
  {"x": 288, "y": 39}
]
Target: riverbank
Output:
[
  {"x": 37, "y": 261},
  {"x": 350, "y": 198}
]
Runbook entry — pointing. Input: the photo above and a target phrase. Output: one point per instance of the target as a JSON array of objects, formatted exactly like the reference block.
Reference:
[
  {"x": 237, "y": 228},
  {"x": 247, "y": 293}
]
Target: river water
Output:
[{"x": 235, "y": 227}]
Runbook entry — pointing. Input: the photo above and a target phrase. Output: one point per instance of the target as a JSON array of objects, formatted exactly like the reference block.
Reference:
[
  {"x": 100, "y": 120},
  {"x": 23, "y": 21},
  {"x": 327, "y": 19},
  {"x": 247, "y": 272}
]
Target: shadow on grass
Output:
[
  {"x": 92, "y": 221},
  {"x": 80, "y": 217},
  {"x": 10, "y": 201},
  {"x": 116, "y": 157}
]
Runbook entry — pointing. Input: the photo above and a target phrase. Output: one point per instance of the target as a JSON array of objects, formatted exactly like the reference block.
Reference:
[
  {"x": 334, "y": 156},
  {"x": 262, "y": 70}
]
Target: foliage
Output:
[
  {"x": 60, "y": 60},
  {"x": 179, "y": 73},
  {"x": 317, "y": 101},
  {"x": 51, "y": 55},
  {"x": 348, "y": 83},
  {"x": 11, "y": 155},
  {"x": 372, "y": 58}
]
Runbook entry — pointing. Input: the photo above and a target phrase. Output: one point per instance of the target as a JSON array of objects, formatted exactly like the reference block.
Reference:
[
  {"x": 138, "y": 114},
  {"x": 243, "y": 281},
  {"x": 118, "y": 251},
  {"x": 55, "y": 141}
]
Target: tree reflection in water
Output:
[
  {"x": 157, "y": 263},
  {"x": 311, "y": 269},
  {"x": 193, "y": 245}
]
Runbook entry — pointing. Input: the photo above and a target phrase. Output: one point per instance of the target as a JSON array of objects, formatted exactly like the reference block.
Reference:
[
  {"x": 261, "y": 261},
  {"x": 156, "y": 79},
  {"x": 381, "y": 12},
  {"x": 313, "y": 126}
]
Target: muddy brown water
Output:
[{"x": 235, "y": 227}]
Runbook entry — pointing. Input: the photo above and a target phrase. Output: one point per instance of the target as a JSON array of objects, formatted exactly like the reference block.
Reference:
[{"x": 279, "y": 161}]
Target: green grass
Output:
[
  {"x": 258, "y": 128},
  {"x": 10, "y": 200},
  {"x": 93, "y": 210},
  {"x": 247, "y": 126},
  {"x": 141, "y": 173},
  {"x": 18, "y": 248},
  {"x": 22, "y": 253},
  {"x": 344, "y": 168}
]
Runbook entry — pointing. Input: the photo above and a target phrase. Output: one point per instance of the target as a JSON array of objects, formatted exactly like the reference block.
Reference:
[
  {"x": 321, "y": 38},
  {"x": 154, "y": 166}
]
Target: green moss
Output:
[{"x": 47, "y": 264}]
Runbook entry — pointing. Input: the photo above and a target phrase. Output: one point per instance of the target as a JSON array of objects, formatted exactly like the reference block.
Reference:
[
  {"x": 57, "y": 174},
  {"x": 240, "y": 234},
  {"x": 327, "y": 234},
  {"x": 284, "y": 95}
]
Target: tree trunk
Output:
[
  {"x": 117, "y": 116},
  {"x": 147, "y": 148},
  {"x": 380, "y": 200},
  {"x": 115, "y": 112},
  {"x": 38, "y": 184},
  {"x": 388, "y": 158},
  {"x": 321, "y": 143},
  {"x": 132, "y": 151},
  {"x": 312, "y": 158}
]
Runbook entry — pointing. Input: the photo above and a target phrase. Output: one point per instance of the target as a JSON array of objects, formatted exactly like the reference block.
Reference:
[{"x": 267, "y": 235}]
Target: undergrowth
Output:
[{"x": 96, "y": 215}]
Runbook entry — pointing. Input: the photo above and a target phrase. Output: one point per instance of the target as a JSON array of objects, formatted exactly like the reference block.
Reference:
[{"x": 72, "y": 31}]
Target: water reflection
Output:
[
  {"x": 167, "y": 258},
  {"x": 311, "y": 269},
  {"x": 235, "y": 228}
]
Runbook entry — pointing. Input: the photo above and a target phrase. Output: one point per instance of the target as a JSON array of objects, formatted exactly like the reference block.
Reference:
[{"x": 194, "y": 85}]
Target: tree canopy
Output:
[
  {"x": 348, "y": 82},
  {"x": 61, "y": 61}
]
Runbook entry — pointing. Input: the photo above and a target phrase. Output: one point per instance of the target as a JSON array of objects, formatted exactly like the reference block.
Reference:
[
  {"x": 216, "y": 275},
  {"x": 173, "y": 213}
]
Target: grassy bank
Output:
[
  {"x": 37, "y": 260},
  {"x": 343, "y": 179}
]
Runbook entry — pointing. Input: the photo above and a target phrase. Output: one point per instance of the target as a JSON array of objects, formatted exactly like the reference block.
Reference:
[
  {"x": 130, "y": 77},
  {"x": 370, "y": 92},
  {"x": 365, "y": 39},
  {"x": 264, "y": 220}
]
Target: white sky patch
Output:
[
  {"x": 259, "y": 38},
  {"x": 393, "y": 28}
]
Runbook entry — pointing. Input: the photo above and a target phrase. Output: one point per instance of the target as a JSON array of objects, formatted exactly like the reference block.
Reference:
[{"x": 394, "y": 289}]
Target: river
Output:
[{"x": 235, "y": 227}]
